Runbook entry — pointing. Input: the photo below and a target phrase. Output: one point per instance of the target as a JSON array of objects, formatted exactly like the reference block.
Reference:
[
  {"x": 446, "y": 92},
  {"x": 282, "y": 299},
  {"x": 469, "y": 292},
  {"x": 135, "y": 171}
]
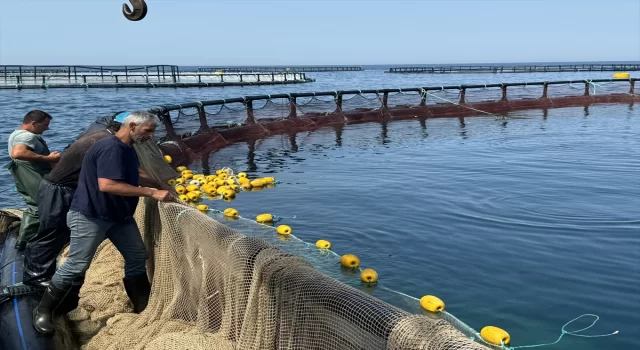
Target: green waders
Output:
[{"x": 27, "y": 177}]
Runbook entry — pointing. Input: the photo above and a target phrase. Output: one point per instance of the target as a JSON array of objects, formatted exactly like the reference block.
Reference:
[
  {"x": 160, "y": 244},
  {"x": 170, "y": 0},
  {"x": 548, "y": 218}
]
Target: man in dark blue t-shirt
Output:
[{"x": 102, "y": 207}]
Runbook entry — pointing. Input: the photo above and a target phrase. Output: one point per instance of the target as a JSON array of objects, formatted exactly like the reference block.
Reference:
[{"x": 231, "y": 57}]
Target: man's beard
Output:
[{"x": 137, "y": 139}]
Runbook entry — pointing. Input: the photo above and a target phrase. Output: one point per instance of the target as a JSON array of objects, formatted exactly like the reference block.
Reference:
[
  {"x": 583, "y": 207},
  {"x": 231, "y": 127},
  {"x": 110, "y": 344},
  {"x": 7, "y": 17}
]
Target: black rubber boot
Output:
[
  {"x": 70, "y": 302},
  {"x": 43, "y": 313},
  {"x": 138, "y": 290}
]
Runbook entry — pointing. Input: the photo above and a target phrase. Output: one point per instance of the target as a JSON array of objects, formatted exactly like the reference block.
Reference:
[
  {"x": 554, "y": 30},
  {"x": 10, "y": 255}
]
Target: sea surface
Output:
[{"x": 522, "y": 223}]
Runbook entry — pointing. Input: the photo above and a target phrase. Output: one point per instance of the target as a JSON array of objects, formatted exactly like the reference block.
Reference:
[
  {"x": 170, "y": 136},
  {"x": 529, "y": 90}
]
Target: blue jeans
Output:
[{"x": 86, "y": 235}]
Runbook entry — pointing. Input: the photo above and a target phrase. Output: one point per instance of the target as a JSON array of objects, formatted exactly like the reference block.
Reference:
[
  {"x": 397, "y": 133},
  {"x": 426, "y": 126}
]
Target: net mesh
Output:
[{"x": 216, "y": 288}]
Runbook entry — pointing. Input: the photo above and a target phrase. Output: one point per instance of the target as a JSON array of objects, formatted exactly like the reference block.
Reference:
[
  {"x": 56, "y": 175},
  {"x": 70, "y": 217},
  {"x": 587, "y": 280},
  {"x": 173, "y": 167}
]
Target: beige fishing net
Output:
[{"x": 215, "y": 288}]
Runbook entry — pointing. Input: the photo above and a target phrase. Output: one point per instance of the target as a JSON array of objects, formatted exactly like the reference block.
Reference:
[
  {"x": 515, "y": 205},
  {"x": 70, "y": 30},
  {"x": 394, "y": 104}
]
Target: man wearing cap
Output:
[
  {"x": 103, "y": 207},
  {"x": 54, "y": 200}
]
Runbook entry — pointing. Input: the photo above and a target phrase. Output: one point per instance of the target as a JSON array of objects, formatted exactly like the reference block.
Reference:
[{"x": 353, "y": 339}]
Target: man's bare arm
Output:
[
  {"x": 22, "y": 152},
  {"x": 121, "y": 188}
]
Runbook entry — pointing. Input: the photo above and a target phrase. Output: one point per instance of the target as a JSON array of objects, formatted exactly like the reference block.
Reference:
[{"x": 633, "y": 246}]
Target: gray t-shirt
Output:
[{"x": 29, "y": 139}]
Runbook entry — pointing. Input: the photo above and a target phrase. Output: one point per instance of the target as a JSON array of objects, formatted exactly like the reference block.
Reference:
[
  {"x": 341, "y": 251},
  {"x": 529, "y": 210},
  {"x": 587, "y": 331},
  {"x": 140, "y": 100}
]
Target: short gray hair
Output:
[{"x": 140, "y": 117}]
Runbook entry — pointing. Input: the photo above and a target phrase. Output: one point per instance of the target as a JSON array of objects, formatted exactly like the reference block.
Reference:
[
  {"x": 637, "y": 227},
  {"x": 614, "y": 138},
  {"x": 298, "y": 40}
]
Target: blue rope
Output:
[{"x": 564, "y": 331}]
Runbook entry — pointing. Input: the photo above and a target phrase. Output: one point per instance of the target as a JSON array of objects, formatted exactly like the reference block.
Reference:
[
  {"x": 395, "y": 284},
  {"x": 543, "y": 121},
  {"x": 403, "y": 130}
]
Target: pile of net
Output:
[{"x": 215, "y": 288}]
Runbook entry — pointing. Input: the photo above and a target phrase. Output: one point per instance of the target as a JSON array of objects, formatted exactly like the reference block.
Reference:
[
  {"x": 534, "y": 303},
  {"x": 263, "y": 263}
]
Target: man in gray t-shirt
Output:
[{"x": 30, "y": 161}]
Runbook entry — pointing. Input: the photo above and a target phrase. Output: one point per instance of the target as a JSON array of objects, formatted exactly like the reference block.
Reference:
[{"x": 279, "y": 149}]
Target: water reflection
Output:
[
  {"x": 251, "y": 156},
  {"x": 423, "y": 127},
  {"x": 384, "y": 133},
  {"x": 463, "y": 131},
  {"x": 339, "y": 129},
  {"x": 293, "y": 143}
]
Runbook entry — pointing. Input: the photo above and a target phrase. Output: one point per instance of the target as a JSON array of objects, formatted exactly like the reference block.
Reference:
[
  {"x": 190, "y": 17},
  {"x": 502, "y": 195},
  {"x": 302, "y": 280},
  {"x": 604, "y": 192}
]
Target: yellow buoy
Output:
[
  {"x": 268, "y": 180},
  {"x": 218, "y": 172},
  {"x": 350, "y": 260},
  {"x": 257, "y": 183},
  {"x": 245, "y": 186},
  {"x": 209, "y": 190},
  {"x": 168, "y": 159},
  {"x": 244, "y": 180},
  {"x": 431, "y": 303},
  {"x": 264, "y": 218},
  {"x": 180, "y": 169},
  {"x": 231, "y": 212},
  {"x": 621, "y": 75},
  {"x": 369, "y": 276},
  {"x": 322, "y": 244},
  {"x": 229, "y": 193},
  {"x": 180, "y": 180},
  {"x": 191, "y": 188},
  {"x": 193, "y": 196},
  {"x": 241, "y": 175},
  {"x": 187, "y": 176},
  {"x": 203, "y": 207},
  {"x": 171, "y": 182},
  {"x": 495, "y": 335},
  {"x": 284, "y": 230},
  {"x": 184, "y": 197},
  {"x": 187, "y": 171},
  {"x": 181, "y": 189},
  {"x": 223, "y": 176},
  {"x": 229, "y": 199},
  {"x": 220, "y": 182},
  {"x": 234, "y": 187},
  {"x": 230, "y": 182},
  {"x": 211, "y": 178}
]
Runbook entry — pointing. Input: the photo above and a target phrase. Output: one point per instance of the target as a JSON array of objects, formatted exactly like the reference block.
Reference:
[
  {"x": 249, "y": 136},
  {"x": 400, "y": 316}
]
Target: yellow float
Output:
[
  {"x": 369, "y": 276},
  {"x": 181, "y": 189},
  {"x": 621, "y": 75},
  {"x": 242, "y": 175},
  {"x": 431, "y": 303},
  {"x": 350, "y": 260},
  {"x": 231, "y": 212},
  {"x": 203, "y": 207},
  {"x": 322, "y": 244},
  {"x": 183, "y": 197},
  {"x": 268, "y": 180},
  {"x": 168, "y": 159},
  {"x": 264, "y": 218},
  {"x": 257, "y": 183},
  {"x": 495, "y": 335},
  {"x": 283, "y": 230},
  {"x": 180, "y": 169},
  {"x": 180, "y": 180},
  {"x": 171, "y": 182}
]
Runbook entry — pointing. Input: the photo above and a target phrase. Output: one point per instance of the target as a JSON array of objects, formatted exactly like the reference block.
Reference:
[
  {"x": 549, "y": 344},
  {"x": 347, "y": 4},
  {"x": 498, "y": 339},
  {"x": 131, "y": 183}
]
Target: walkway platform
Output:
[
  {"x": 45, "y": 77},
  {"x": 282, "y": 69},
  {"x": 519, "y": 68}
]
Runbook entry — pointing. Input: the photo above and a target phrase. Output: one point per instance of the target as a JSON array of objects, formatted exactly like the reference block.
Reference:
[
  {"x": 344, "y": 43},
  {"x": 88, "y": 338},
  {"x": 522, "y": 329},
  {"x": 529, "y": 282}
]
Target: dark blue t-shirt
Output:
[{"x": 108, "y": 158}]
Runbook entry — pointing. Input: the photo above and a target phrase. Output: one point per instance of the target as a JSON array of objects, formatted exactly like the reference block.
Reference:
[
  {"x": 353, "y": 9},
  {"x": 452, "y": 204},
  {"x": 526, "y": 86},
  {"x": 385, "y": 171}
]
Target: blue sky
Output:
[{"x": 209, "y": 32}]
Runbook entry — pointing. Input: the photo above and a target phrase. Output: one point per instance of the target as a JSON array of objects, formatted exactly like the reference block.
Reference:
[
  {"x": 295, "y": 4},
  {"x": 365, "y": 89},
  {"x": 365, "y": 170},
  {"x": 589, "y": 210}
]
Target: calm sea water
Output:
[{"x": 523, "y": 223}]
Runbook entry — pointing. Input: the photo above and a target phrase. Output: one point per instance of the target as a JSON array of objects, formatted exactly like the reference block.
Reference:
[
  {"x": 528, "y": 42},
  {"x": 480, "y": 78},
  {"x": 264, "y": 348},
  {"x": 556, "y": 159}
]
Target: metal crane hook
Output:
[{"x": 139, "y": 10}]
